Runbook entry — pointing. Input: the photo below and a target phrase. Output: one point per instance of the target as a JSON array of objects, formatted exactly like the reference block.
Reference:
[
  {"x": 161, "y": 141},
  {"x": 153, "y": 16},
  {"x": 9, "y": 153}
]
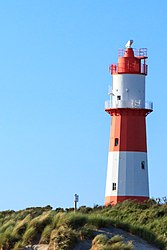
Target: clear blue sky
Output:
[{"x": 54, "y": 133}]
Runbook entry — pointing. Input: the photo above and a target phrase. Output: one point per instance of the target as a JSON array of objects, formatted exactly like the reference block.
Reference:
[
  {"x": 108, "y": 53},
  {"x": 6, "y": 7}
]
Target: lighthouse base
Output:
[{"x": 113, "y": 200}]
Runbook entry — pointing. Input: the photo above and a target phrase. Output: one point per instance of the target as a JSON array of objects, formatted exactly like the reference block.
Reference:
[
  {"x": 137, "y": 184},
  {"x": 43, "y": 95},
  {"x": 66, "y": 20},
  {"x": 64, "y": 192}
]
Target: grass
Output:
[
  {"x": 102, "y": 242},
  {"x": 63, "y": 228},
  {"x": 62, "y": 238},
  {"x": 45, "y": 236},
  {"x": 149, "y": 221}
]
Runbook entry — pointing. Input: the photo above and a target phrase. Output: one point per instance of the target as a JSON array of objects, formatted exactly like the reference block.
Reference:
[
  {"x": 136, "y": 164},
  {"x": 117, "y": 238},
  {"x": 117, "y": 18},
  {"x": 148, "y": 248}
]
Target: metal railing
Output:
[
  {"x": 142, "y": 52},
  {"x": 115, "y": 69},
  {"x": 138, "y": 104}
]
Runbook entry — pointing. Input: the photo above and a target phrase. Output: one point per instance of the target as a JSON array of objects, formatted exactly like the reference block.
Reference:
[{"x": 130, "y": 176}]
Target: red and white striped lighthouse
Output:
[{"x": 127, "y": 173}]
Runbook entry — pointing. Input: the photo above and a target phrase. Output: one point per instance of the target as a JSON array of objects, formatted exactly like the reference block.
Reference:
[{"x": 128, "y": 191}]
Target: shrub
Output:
[
  {"x": 59, "y": 209},
  {"x": 84, "y": 209}
]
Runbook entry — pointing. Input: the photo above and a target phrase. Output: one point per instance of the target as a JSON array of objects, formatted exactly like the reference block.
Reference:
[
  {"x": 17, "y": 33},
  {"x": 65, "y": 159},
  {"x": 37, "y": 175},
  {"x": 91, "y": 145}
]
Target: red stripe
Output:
[
  {"x": 129, "y": 126},
  {"x": 113, "y": 200}
]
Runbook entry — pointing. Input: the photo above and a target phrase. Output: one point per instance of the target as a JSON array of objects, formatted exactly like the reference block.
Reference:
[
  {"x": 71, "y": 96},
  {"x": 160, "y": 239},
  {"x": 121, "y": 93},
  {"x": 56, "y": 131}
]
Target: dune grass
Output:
[
  {"x": 101, "y": 241},
  {"x": 62, "y": 228}
]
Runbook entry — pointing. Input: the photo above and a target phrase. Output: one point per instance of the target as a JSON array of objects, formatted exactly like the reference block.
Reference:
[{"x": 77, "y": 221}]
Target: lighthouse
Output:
[{"x": 127, "y": 172}]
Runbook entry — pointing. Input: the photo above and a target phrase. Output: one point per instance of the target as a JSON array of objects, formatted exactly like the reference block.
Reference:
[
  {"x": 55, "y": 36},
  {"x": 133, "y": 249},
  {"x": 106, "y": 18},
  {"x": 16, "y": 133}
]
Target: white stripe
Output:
[
  {"x": 129, "y": 87},
  {"x": 125, "y": 169}
]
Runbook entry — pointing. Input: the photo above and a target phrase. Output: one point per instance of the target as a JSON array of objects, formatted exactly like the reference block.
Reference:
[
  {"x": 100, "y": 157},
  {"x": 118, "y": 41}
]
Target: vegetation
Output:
[
  {"x": 101, "y": 241},
  {"x": 62, "y": 228}
]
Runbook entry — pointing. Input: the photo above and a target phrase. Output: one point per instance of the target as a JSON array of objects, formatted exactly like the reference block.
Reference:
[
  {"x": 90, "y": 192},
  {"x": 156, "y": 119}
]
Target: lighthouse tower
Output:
[{"x": 127, "y": 173}]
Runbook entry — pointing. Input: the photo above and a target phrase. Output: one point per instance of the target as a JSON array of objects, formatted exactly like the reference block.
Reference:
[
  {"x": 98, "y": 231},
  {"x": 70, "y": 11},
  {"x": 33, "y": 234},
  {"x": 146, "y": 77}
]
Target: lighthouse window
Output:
[
  {"x": 118, "y": 97},
  {"x": 142, "y": 165},
  {"x": 114, "y": 186},
  {"x": 116, "y": 141}
]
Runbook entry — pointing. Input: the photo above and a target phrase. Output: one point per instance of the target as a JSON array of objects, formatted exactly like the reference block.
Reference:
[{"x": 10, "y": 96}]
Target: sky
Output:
[{"x": 54, "y": 132}]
